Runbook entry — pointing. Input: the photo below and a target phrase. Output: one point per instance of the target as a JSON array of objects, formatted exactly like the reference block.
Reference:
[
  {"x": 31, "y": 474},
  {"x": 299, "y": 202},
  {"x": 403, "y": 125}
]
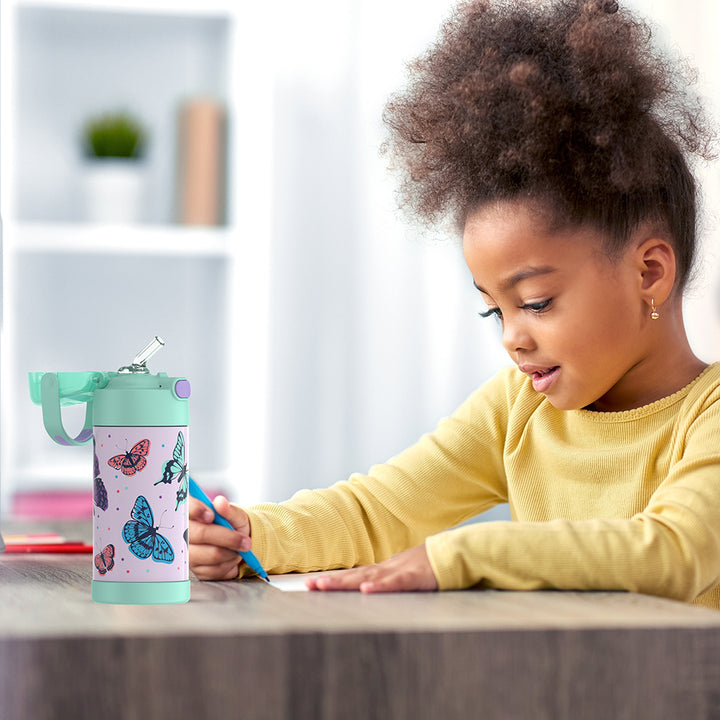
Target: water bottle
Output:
[{"x": 138, "y": 423}]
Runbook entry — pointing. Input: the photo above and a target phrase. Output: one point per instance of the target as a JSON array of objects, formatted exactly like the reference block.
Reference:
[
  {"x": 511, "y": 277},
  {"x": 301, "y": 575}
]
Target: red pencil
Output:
[{"x": 69, "y": 547}]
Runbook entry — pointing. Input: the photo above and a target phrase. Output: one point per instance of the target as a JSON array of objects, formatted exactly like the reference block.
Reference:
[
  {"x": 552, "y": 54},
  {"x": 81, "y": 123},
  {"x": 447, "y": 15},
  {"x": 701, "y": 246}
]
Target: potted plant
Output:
[
  {"x": 116, "y": 135},
  {"x": 114, "y": 146}
]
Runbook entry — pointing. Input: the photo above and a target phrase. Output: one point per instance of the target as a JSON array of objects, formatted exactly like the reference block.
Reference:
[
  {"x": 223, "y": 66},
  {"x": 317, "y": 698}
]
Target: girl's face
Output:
[{"x": 572, "y": 319}]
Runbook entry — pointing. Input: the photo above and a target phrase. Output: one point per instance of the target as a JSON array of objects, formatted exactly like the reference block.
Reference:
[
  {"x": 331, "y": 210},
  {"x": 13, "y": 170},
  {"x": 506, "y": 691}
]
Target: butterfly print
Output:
[
  {"x": 96, "y": 462},
  {"x": 133, "y": 461},
  {"x": 142, "y": 536},
  {"x": 104, "y": 561},
  {"x": 99, "y": 492},
  {"x": 176, "y": 469}
]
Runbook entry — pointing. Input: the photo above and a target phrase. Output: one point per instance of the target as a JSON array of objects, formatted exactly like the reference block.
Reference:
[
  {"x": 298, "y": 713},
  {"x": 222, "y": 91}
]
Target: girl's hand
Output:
[
  {"x": 409, "y": 570},
  {"x": 213, "y": 548}
]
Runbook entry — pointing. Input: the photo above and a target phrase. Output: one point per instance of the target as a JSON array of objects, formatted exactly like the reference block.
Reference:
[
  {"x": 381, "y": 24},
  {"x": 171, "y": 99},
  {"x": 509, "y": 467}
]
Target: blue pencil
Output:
[{"x": 248, "y": 556}]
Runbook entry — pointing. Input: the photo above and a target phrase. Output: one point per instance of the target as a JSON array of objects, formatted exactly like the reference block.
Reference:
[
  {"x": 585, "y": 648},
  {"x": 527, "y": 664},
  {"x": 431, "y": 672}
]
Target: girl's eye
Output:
[{"x": 537, "y": 307}]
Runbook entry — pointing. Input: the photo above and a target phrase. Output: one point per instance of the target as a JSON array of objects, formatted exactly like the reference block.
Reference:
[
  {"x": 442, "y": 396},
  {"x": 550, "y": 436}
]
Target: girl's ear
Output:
[{"x": 656, "y": 264}]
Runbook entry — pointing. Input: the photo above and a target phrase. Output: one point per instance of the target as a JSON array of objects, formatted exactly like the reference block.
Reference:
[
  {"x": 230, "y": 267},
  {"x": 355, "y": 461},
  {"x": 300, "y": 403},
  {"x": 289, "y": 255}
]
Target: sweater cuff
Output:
[{"x": 449, "y": 569}]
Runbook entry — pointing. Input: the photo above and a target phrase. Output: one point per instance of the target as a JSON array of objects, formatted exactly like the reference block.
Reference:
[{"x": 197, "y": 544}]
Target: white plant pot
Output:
[{"x": 114, "y": 190}]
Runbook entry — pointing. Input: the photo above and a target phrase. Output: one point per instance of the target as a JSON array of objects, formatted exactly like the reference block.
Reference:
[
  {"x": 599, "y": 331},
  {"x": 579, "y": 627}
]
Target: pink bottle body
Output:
[{"x": 140, "y": 519}]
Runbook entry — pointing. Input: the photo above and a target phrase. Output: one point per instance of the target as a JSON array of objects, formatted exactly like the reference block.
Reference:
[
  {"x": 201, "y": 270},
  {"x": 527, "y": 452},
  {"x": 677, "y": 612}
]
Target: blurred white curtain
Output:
[
  {"x": 691, "y": 29},
  {"x": 375, "y": 334},
  {"x": 374, "y": 327}
]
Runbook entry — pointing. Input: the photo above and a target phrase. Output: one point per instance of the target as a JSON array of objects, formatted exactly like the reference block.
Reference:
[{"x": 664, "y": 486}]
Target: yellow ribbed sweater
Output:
[{"x": 615, "y": 501}]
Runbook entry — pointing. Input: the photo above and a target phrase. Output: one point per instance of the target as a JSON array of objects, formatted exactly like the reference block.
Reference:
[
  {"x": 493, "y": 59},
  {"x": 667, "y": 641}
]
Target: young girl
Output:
[{"x": 558, "y": 140}]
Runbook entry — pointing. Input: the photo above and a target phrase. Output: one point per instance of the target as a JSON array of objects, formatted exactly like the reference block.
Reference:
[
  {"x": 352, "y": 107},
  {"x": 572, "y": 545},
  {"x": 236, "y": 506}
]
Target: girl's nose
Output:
[{"x": 515, "y": 336}]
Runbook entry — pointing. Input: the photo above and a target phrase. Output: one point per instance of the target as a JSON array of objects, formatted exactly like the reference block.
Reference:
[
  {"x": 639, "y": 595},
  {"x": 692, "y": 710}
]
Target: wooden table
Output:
[{"x": 246, "y": 650}]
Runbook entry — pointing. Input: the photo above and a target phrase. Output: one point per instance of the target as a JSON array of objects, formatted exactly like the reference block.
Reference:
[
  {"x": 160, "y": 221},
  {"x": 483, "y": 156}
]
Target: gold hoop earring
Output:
[{"x": 654, "y": 314}]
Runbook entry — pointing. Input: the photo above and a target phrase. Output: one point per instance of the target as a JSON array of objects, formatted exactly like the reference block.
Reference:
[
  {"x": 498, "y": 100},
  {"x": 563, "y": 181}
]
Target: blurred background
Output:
[{"x": 252, "y": 225}]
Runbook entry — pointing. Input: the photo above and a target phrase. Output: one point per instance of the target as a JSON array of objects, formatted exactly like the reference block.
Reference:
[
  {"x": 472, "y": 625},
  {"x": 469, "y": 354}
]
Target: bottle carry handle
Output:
[{"x": 50, "y": 399}]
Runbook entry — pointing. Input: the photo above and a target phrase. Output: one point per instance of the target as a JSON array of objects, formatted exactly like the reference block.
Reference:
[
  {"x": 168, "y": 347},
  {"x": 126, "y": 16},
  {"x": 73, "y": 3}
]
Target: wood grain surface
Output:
[{"x": 247, "y": 650}]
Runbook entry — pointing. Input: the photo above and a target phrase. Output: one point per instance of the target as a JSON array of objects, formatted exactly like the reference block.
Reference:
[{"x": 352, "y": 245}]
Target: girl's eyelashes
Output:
[
  {"x": 537, "y": 308},
  {"x": 490, "y": 312}
]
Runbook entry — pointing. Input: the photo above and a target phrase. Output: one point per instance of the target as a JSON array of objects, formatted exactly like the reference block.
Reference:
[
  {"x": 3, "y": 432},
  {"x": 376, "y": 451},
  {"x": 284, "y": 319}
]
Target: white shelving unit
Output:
[{"x": 82, "y": 296}]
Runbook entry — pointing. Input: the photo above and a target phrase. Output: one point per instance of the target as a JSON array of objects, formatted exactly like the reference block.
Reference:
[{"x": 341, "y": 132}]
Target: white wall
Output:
[
  {"x": 375, "y": 334},
  {"x": 690, "y": 30}
]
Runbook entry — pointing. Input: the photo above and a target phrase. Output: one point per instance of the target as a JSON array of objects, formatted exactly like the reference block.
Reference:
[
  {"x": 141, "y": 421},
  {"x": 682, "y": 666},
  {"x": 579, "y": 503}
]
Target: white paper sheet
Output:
[
  {"x": 289, "y": 583},
  {"x": 295, "y": 582}
]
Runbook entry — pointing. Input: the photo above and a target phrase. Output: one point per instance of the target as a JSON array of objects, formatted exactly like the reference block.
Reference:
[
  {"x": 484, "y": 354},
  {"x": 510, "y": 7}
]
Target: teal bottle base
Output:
[{"x": 140, "y": 593}]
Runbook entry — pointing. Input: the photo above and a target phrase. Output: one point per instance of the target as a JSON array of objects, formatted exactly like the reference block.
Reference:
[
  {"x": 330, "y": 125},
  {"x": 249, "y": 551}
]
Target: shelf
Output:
[
  {"x": 81, "y": 294},
  {"x": 171, "y": 7},
  {"x": 74, "y": 61},
  {"x": 67, "y": 238}
]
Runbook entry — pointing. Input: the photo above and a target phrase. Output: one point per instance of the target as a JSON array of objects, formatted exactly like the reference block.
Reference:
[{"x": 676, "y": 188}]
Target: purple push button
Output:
[{"x": 182, "y": 389}]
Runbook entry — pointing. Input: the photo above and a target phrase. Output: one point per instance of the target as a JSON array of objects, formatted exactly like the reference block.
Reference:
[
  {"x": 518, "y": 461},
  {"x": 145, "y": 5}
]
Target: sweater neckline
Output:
[{"x": 645, "y": 410}]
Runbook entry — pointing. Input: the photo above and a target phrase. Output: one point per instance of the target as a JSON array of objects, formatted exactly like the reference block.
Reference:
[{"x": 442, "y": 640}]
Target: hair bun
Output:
[
  {"x": 565, "y": 100},
  {"x": 606, "y": 6}
]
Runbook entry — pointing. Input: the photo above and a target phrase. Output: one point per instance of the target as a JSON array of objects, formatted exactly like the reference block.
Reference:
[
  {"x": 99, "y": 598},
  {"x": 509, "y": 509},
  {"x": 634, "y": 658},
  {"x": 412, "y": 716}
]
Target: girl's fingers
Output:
[
  {"x": 201, "y": 533},
  {"x": 367, "y": 579},
  {"x": 234, "y": 514},
  {"x": 212, "y": 555},
  {"x": 212, "y": 562},
  {"x": 342, "y": 580},
  {"x": 408, "y": 571},
  {"x": 227, "y": 570},
  {"x": 214, "y": 548},
  {"x": 199, "y": 511}
]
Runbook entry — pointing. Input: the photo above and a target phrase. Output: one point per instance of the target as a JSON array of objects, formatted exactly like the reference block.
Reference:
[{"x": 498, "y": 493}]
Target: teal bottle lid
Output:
[
  {"x": 129, "y": 397},
  {"x": 134, "y": 399}
]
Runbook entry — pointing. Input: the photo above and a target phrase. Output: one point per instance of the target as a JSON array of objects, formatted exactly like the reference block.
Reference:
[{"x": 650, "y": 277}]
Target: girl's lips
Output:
[{"x": 543, "y": 379}]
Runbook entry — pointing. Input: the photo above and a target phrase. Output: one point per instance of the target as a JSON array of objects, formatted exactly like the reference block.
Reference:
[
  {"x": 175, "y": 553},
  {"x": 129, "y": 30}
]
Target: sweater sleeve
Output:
[
  {"x": 671, "y": 548},
  {"x": 449, "y": 476}
]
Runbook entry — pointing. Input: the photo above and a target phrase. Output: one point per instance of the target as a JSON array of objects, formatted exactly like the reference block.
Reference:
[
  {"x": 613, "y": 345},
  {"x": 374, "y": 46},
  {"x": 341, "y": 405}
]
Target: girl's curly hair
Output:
[{"x": 562, "y": 101}]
